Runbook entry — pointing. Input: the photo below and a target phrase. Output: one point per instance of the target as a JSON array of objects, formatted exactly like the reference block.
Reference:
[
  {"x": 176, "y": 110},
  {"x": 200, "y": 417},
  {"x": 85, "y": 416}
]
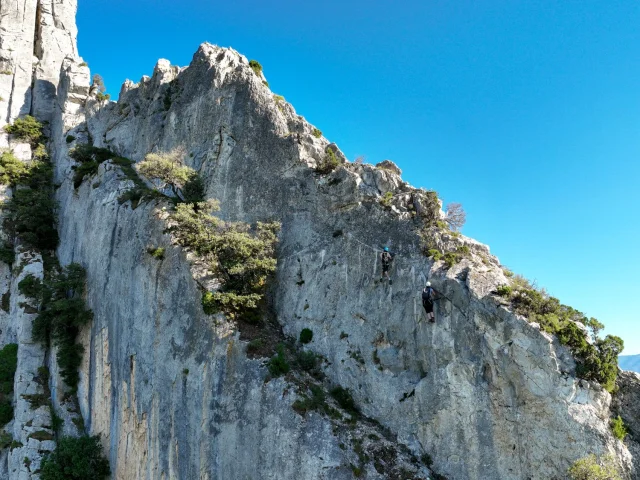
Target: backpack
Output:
[{"x": 427, "y": 294}]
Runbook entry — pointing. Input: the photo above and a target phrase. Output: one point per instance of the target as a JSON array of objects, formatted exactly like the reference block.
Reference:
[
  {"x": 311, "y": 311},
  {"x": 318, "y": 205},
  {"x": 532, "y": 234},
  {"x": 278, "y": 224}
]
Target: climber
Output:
[
  {"x": 387, "y": 258},
  {"x": 428, "y": 297}
]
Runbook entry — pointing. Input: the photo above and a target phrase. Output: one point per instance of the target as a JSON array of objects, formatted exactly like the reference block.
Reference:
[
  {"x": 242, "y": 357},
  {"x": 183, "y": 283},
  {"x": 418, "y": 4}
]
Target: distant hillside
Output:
[{"x": 629, "y": 362}]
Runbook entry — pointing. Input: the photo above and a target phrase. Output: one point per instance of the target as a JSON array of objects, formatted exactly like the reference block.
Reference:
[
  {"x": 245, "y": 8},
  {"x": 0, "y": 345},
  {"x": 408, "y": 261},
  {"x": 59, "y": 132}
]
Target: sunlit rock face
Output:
[{"x": 480, "y": 394}]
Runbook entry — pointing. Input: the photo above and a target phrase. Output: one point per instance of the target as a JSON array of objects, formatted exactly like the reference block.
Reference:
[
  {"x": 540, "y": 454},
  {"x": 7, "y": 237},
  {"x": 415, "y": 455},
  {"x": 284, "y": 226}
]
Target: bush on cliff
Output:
[
  {"x": 30, "y": 213},
  {"x": 167, "y": 170},
  {"x": 63, "y": 313},
  {"x": 328, "y": 163},
  {"x": 26, "y": 128},
  {"x": 8, "y": 365},
  {"x": 241, "y": 257},
  {"x": 76, "y": 459},
  {"x": 596, "y": 360},
  {"x": 89, "y": 159},
  {"x": 592, "y": 468},
  {"x": 12, "y": 170}
]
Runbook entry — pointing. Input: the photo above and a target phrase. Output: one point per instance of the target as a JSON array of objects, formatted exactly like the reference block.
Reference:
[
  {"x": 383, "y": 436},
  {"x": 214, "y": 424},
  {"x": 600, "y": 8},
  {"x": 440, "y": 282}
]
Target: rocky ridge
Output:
[{"x": 481, "y": 394}]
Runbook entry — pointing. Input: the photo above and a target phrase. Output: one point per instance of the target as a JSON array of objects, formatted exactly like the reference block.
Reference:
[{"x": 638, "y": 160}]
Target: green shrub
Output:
[
  {"x": 255, "y": 66},
  {"x": 306, "y": 335},
  {"x": 167, "y": 170},
  {"x": 597, "y": 362},
  {"x": 344, "y": 399},
  {"x": 8, "y": 365},
  {"x": 63, "y": 314},
  {"x": 328, "y": 163},
  {"x": 76, "y": 459},
  {"x": 434, "y": 253},
  {"x": 306, "y": 361},
  {"x": 7, "y": 254},
  {"x": 89, "y": 159},
  {"x": 255, "y": 345},
  {"x": 316, "y": 133},
  {"x": 5, "y": 439},
  {"x": 30, "y": 214},
  {"x": 30, "y": 286},
  {"x": 12, "y": 170},
  {"x": 317, "y": 401},
  {"x": 386, "y": 199},
  {"x": 70, "y": 138},
  {"x": 156, "y": 252},
  {"x": 6, "y": 301},
  {"x": 450, "y": 259},
  {"x": 194, "y": 189},
  {"x": 441, "y": 225},
  {"x": 26, "y": 128},
  {"x": 241, "y": 257},
  {"x": 590, "y": 468},
  {"x": 6, "y": 412},
  {"x": 278, "y": 364},
  {"x": 618, "y": 428},
  {"x": 504, "y": 291}
]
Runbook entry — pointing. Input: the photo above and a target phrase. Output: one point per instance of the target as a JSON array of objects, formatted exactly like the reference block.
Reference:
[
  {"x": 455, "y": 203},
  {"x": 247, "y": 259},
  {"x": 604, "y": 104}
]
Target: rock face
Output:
[
  {"x": 36, "y": 37},
  {"x": 480, "y": 394}
]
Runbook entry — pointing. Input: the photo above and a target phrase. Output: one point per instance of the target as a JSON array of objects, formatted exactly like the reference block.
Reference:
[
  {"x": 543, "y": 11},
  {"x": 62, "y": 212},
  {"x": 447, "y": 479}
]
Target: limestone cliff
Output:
[{"x": 174, "y": 393}]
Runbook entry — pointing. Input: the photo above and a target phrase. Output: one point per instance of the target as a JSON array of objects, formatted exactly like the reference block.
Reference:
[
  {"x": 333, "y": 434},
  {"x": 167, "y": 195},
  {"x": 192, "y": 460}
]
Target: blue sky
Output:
[{"x": 528, "y": 113}]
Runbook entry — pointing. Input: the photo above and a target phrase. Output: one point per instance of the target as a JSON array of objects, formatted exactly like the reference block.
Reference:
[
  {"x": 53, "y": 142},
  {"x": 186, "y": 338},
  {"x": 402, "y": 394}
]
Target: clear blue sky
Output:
[{"x": 528, "y": 113}]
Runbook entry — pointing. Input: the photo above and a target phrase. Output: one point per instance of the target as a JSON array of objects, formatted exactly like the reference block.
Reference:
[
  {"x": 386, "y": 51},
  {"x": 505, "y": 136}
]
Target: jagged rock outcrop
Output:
[
  {"x": 172, "y": 392},
  {"x": 483, "y": 392},
  {"x": 37, "y": 35},
  {"x": 626, "y": 403}
]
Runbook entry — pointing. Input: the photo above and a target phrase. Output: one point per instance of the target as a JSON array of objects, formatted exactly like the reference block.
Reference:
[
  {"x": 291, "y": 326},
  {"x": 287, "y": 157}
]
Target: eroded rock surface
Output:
[{"x": 480, "y": 394}]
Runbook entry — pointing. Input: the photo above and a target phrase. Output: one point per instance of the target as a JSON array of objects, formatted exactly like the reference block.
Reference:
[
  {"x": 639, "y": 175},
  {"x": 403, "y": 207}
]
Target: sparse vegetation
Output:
[
  {"x": 167, "y": 170},
  {"x": 156, "y": 252},
  {"x": 7, "y": 255},
  {"x": 386, "y": 199},
  {"x": 306, "y": 335},
  {"x": 63, "y": 313},
  {"x": 504, "y": 290},
  {"x": 278, "y": 364},
  {"x": 76, "y": 458},
  {"x": 70, "y": 138},
  {"x": 345, "y": 400},
  {"x": 597, "y": 361},
  {"x": 12, "y": 170},
  {"x": 26, "y": 128},
  {"x": 8, "y": 365},
  {"x": 89, "y": 159},
  {"x": 618, "y": 428},
  {"x": 240, "y": 256},
  {"x": 329, "y": 163},
  {"x": 256, "y": 67},
  {"x": 316, "y": 133},
  {"x": 592, "y": 468},
  {"x": 455, "y": 217},
  {"x": 30, "y": 286}
]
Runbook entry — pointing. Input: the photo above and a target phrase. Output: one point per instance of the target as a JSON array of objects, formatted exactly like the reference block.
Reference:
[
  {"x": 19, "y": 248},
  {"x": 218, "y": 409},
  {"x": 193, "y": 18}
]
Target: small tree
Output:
[
  {"x": 98, "y": 83},
  {"x": 12, "y": 170},
  {"x": 76, "y": 459},
  {"x": 26, "y": 128},
  {"x": 167, "y": 170},
  {"x": 456, "y": 216}
]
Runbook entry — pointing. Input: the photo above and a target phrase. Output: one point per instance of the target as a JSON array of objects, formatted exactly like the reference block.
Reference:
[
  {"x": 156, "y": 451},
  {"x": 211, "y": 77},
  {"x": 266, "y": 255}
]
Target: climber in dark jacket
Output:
[
  {"x": 428, "y": 297},
  {"x": 387, "y": 258}
]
